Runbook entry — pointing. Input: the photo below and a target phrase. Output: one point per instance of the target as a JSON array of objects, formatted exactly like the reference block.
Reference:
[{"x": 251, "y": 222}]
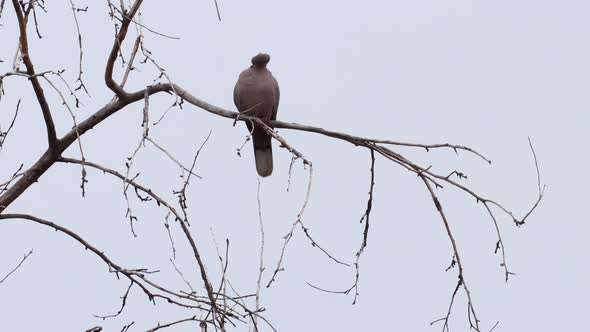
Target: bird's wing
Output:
[
  {"x": 237, "y": 94},
  {"x": 277, "y": 97}
]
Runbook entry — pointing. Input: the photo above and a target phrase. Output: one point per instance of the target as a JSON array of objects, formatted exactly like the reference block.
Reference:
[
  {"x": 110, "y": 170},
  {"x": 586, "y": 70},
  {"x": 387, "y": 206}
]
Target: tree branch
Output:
[
  {"x": 136, "y": 276},
  {"x": 161, "y": 201},
  {"x": 24, "y": 47},
  {"x": 17, "y": 266},
  {"x": 108, "y": 74}
]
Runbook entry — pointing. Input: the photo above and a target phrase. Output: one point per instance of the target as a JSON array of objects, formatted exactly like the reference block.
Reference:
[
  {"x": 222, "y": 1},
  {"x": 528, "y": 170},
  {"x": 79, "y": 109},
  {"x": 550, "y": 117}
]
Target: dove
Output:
[{"x": 257, "y": 94}]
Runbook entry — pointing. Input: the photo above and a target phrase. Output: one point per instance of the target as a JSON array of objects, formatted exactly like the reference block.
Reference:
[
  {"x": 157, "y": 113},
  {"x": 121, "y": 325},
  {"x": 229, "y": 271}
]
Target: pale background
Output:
[{"x": 487, "y": 74}]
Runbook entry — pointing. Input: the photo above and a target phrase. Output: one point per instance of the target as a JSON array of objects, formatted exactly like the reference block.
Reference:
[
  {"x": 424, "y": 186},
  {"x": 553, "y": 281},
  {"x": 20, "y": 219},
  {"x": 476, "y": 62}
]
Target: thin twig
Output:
[
  {"x": 123, "y": 303},
  {"x": 17, "y": 266},
  {"x": 79, "y": 80},
  {"x": 261, "y": 259},
  {"x": 4, "y": 134}
]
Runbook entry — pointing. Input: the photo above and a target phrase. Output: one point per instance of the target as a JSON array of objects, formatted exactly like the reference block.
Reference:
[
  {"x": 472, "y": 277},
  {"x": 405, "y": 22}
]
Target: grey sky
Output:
[{"x": 487, "y": 74}]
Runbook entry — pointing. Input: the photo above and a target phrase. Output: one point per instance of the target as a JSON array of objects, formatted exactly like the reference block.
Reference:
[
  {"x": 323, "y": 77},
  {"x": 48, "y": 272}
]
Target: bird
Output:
[{"x": 257, "y": 94}]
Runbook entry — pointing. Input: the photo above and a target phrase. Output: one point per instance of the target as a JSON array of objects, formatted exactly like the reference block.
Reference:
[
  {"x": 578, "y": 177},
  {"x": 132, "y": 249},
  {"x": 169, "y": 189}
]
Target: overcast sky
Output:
[{"x": 487, "y": 74}]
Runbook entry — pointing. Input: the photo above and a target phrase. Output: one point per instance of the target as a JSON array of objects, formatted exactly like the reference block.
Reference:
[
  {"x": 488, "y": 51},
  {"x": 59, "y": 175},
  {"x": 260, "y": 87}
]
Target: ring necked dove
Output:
[{"x": 257, "y": 94}]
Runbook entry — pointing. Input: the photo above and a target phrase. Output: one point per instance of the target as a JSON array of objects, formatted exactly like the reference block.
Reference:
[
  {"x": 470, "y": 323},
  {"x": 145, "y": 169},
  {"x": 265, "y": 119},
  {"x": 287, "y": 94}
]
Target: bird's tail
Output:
[{"x": 262, "y": 152}]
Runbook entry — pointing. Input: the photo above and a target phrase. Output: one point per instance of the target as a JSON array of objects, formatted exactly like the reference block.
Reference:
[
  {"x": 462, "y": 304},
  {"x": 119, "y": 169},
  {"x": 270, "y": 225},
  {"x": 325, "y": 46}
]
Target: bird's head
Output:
[{"x": 260, "y": 60}]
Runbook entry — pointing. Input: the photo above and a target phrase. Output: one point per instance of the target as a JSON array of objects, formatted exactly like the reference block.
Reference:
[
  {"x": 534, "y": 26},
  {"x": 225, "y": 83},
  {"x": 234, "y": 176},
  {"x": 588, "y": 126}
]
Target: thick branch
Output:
[
  {"x": 24, "y": 46},
  {"x": 108, "y": 74},
  {"x": 48, "y": 158}
]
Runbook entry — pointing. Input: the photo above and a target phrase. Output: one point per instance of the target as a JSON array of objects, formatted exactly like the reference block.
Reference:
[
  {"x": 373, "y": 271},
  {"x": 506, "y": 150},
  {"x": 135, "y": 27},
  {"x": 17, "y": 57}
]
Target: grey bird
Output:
[{"x": 257, "y": 94}]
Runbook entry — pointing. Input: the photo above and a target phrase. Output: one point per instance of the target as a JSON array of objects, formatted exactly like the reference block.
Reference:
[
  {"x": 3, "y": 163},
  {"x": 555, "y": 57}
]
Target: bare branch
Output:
[
  {"x": 15, "y": 175},
  {"x": 17, "y": 266},
  {"x": 135, "y": 276},
  {"x": 123, "y": 303},
  {"x": 191, "y": 319},
  {"x": 149, "y": 139},
  {"x": 131, "y": 60},
  {"x": 1, "y": 7},
  {"x": 116, "y": 88},
  {"x": 474, "y": 322},
  {"x": 182, "y": 223},
  {"x": 4, "y": 134},
  {"x": 143, "y": 26},
  {"x": 366, "y": 217},
  {"x": 182, "y": 276},
  {"x": 298, "y": 221},
  {"x": 261, "y": 259},
  {"x": 75, "y": 128},
  {"x": 24, "y": 47},
  {"x": 217, "y": 9}
]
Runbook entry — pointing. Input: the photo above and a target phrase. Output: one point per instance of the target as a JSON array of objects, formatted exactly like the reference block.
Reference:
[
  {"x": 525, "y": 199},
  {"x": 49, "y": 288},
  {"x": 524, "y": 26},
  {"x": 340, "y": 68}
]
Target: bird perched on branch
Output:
[{"x": 257, "y": 94}]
